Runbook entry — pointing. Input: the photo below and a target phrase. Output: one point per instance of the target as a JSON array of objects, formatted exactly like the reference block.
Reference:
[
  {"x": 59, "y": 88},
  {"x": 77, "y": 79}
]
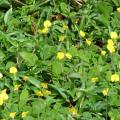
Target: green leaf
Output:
[
  {"x": 74, "y": 75},
  {"x": 30, "y": 58},
  {"x": 64, "y": 9},
  {"x": 34, "y": 81},
  {"x": 4, "y": 4},
  {"x": 60, "y": 91},
  {"x": 24, "y": 95},
  {"x": 2, "y": 56},
  {"x": 104, "y": 8},
  {"x": 57, "y": 67},
  {"x": 23, "y": 98},
  {"x": 7, "y": 15}
]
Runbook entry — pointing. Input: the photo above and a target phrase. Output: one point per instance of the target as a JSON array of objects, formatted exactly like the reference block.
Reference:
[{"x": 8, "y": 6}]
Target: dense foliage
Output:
[{"x": 59, "y": 59}]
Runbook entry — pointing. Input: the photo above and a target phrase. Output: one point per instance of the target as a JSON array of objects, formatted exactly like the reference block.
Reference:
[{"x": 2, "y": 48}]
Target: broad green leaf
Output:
[
  {"x": 64, "y": 8},
  {"x": 7, "y": 15},
  {"x": 34, "y": 81},
  {"x": 29, "y": 58},
  {"x": 24, "y": 95},
  {"x": 57, "y": 67},
  {"x": 23, "y": 98}
]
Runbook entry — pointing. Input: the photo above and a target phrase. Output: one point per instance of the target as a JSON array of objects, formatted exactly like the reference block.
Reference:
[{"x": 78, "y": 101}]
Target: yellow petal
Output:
[
  {"x": 82, "y": 33},
  {"x": 60, "y": 55},
  {"x": 44, "y": 85},
  {"x": 114, "y": 77},
  {"x": 24, "y": 114},
  {"x": 13, "y": 70},
  {"x": 38, "y": 93},
  {"x": 12, "y": 114},
  {"x": 118, "y": 9},
  {"x": 103, "y": 52},
  {"x": 47, "y": 24},
  {"x": 73, "y": 111},
  {"x": 88, "y": 42},
  {"x": 113, "y": 35},
  {"x": 105, "y": 91}
]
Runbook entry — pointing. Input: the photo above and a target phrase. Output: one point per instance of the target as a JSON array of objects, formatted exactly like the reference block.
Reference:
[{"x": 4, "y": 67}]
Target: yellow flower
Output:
[
  {"x": 110, "y": 42},
  {"x": 111, "y": 48},
  {"x": 12, "y": 114},
  {"x": 43, "y": 31},
  {"x": 113, "y": 35},
  {"x": 105, "y": 91},
  {"x": 24, "y": 114},
  {"x": 65, "y": 27},
  {"x": 13, "y": 70},
  {"x": 88, "y": 42},
  {"x": 60, "y": 55},
  {"x": 118, "y": 9},
  {"x": 38, "y": 93},
  {"x": 114, "y": 77},
  {"x": 47, "y": 24},
  {"x": 68, "y": 55},
  {"x": 103, "y": 52},
  {"x": 1, "y": 75},
  {"x": 82, "y": 33},
  {"x": 61, "y": 38},
  {"x": 25, "y": 78},
  {"x": 46, "y": 92},
  {"x": 94, "y": 79},
  {"x": 4, "y": 95},
  {"x": 73, "y": 111},
  {"x": 44, "y": 85},
  {"x": 16, "y": 87}
]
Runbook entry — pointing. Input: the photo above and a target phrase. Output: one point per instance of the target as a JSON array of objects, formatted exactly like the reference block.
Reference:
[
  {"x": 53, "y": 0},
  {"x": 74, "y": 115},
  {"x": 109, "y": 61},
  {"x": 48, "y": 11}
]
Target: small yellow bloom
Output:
[
  {"x": 114, "y": 77},
  {"x": 12, "y": 114},
  {"x": 47, "y": 24},
  {"x": 105, "y": 91},
  {"x": 60, "y": 55},
  {"x": 46, "y": 92},
  {"x": 88, "y": 42},
  {"x": 16, "y": 87},
  {"x": 94, "y": 79},
  {"x": 68, "y": 55},
  {"x": 113, "y": 35},
  {"x": 25, "y": 78},
  {"x": 110, "y": 42},
  {"x": 44, "y": 85},
  {"x": 65, "y": 27},
  {"x": 103, "y": 52},
  {"x": 38, "y": 93},
  {"x": 4, "y": 95},
  {"x": 111, "y": 48},
  {"x": 1, "y": 75},
  {"x": 61, "y": 38},
  {"x": 13, "y": 70},
  {"x": 73, "y": 111},
  {"x": 24, "y": 114},
  {"x": 82, "y": 33},
  {"x": 43, "y": 31},
  {"x": 118, "y": 9}
]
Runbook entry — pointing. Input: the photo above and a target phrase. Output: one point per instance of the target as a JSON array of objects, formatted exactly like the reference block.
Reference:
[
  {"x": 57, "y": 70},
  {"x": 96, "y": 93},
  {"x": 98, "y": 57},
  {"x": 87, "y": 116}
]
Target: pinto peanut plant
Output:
[{"x": 59, "y": 59}]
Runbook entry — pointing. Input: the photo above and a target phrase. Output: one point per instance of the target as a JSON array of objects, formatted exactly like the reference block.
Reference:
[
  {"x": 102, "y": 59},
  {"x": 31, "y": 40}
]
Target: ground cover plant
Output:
[{"x": 60, "y": 59}]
